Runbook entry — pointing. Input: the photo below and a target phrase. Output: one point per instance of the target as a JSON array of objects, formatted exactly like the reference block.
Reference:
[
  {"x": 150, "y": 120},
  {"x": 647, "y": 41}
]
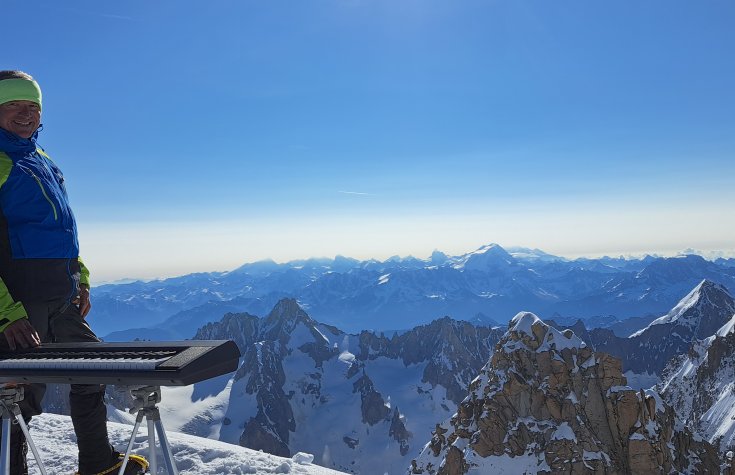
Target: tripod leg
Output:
[
  {"x": 168, "y": 456},
  {"x": 138, "y": 420},
  {"x": 152, "y": 446},
  {"x": 24, "y": 428},
  {"x": 5, "y": 451}
]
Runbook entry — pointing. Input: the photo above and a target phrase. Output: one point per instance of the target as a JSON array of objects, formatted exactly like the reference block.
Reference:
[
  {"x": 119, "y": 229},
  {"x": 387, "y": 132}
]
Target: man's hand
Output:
[
  {"x": 82, "y": 301},
  {"x": 21, "y": 333}
]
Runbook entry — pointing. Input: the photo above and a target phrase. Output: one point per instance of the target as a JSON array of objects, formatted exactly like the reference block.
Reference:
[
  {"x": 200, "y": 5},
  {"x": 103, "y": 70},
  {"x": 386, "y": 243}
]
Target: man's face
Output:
[{"x": 20, "y": 117}]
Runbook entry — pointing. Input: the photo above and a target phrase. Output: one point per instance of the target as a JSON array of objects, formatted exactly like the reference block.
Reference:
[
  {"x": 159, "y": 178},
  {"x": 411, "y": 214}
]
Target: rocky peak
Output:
[
  {"x": 242, "y": 328},
  {"x": 527, "y": 330},
  {"x": 547, "y": 403},
  {"x": 282, "y": 320},
  {"x": 398, "y": 431},
  {"x": 373, "y": 406},
  {"x": 700, "y": 313}
]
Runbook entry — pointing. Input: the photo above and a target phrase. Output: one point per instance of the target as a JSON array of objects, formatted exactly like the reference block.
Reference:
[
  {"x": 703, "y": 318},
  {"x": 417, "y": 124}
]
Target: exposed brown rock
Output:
[{"x": 549, "y": 401}]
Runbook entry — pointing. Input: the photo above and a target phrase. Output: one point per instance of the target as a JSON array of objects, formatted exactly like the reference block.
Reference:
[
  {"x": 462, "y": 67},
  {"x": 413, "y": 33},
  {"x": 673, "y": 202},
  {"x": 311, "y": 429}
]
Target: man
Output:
[{"x": 44, "y": 286}]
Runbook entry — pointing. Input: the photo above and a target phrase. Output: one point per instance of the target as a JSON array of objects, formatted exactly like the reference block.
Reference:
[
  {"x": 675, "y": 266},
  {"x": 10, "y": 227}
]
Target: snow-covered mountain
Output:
[
  {"x": 646, "y": 352},
  {"x": 375, "y": 398},
  {"x": 55, "y": 441},
  {"x": 700, "y": 385},
  {"x": 360, "y": 403},
  {"x": 698, "y": 315},
  {"x": 547, "y": 403},
  {"x": 400, "y": 293}
]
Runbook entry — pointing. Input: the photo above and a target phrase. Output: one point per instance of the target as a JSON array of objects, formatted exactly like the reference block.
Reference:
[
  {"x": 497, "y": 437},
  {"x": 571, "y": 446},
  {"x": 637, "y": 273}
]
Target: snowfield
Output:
[{"x": 54, "y": 437}]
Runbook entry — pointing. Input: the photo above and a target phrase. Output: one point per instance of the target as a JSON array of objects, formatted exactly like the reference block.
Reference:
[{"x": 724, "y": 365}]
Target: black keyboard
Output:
[{"x": 170, "y": 363}]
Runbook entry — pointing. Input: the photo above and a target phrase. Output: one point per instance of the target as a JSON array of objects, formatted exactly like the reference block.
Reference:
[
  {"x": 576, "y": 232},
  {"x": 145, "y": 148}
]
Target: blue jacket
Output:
[{"x": 39, "y": 249}]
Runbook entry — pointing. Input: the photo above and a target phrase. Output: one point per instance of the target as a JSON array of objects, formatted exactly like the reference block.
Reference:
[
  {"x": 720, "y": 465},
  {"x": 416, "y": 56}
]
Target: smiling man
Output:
[{"x": 44, "y": 287}]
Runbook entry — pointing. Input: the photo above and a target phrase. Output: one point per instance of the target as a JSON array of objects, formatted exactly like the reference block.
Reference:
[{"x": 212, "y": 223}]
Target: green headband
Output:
[{"x": 19, "y": 90}]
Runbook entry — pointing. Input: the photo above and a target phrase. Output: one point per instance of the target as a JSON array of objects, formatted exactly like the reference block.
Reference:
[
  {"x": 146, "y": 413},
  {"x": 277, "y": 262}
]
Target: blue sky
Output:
[{"x": 195, "y": 136}]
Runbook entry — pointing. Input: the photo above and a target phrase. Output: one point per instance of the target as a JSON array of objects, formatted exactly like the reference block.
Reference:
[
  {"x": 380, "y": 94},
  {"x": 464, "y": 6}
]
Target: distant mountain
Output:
[
  {"x": 698, "y": 315},
  {"x": 405, "y": 292},
  {"x": 360, "y": 403},
  {"x": 729, "y": 262},
  {"x": 548, "y": 403},
  {"x": 183, "y": 325},
  {"x": 700, "y": 386}
]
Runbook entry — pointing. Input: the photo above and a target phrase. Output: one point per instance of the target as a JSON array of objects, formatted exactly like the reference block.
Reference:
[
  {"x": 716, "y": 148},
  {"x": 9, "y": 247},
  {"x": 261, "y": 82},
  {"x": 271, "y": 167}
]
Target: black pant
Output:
[{"x": 60, "y": 322}]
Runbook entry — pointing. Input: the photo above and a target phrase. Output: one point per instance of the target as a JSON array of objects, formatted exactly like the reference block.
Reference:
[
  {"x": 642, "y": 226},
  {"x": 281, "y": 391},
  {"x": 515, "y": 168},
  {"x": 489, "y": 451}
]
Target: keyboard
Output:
[{"x": 170, "y": 363}]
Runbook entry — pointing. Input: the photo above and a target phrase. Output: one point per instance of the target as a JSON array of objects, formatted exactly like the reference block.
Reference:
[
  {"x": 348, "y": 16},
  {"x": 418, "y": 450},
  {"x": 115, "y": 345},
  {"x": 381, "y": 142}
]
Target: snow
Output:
[
  {"x": 591, "y": 361},
  {"x": 331, "y": 411},
  {"x": 564, "y": 431},
  {"x": 302, "y": 458},
  {"x": 347, "y": 357},
  {"x": 641, "y": 380},
  {"x": 651, "y": 428},
  {"x": 655, "y": 395},
  {"x": 523, "y": 322},
  {"x": 595, "y": 456},
  {"x": 56, "y": 443},
  {"x": 617, "y": 389},
  {"x": 719, "y": 420},
  {"x": 727, "y": 328}
]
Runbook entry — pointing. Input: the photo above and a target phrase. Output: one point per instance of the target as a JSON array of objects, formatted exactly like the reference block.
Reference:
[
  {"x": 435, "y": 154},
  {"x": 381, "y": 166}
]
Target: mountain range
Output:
[
  {"x": 484, "y": 286},
  {"x": 399, "y": 397},
  {"x": 376, "y": 399}
]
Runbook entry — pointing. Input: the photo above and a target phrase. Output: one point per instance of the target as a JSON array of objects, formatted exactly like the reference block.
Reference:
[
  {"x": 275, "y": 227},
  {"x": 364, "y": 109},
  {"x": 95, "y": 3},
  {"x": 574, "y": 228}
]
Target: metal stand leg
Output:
[
  {"x": 10, "y": 396},
  {"x": 144, "y": 403},
  {"x": 168, "y": 456},
  {"x": 5, "y": 451},
  {"x": 138, "y": 420},
  {"x": 152, "y": 447}
]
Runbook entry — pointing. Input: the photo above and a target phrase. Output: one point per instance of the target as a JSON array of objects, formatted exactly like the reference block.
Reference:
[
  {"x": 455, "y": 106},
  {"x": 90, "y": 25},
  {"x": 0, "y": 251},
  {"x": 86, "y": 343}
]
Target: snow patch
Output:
[
  {"x": 53, "y": 436},
  {"x": 564, "y": 431},
  {"x": 727, "y": 328}
]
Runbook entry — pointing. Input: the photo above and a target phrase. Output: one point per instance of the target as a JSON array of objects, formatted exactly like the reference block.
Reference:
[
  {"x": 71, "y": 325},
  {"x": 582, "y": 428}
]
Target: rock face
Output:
[
  {"x": 360, "y": 403},
  {"x": 547, "y": 403},
  {"x": 700, "y": 386},
  {"x": 453, "y": 350}
]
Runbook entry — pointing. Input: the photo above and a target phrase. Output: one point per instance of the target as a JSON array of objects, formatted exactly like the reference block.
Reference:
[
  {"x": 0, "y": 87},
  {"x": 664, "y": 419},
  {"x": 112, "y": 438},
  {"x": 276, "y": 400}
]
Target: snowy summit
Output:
[{"x": 538, "y": 336}]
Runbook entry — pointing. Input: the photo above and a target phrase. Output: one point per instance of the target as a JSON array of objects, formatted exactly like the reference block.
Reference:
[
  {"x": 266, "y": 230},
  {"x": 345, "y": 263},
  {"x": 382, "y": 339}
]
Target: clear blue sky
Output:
[{"x": 200, "y": 135}]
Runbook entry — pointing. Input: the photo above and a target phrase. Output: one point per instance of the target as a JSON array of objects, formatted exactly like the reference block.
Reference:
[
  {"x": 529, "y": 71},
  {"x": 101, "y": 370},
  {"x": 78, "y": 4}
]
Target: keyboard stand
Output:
[
  {"x": 144, "y": 403},
  {"x": 10, "y": 396}
]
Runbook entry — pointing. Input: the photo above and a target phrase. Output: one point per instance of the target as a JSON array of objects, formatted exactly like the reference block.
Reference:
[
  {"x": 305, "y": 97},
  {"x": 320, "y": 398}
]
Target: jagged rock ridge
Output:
[{"x": 547, "y": 403}]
